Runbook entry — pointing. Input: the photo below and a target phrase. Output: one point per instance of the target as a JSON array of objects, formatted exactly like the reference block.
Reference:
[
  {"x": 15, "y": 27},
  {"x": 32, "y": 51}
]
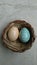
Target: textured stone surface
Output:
[{"x": 18, "y": 9}]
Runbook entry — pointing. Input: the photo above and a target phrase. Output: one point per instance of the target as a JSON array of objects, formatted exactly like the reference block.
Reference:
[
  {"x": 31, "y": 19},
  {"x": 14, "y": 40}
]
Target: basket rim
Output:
[{"x": 19, "y": 22}]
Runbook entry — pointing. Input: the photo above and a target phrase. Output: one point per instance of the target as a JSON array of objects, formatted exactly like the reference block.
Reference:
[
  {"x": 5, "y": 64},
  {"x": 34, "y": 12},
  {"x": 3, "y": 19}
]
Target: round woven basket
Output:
[{"x": 18, "y": 46}]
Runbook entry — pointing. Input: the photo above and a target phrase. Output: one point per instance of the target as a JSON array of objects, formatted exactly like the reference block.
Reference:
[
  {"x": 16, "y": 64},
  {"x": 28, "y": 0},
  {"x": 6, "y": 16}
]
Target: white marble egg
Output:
[{"x": 13, "y": 33}]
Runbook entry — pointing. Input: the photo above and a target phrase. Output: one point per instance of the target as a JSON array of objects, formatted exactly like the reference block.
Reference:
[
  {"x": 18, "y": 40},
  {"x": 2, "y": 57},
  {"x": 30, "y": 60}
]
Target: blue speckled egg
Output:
[{"x": 24, "y": 35}]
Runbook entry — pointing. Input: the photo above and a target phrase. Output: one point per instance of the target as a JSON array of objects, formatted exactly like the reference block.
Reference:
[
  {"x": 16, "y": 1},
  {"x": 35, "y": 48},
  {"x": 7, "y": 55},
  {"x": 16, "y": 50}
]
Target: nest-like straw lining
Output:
[{"x": 17, "y": 45}]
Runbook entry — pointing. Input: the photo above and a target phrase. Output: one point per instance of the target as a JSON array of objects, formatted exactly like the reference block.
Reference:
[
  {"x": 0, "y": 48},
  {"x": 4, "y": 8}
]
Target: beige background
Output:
[{"x": 12, "y": 10}]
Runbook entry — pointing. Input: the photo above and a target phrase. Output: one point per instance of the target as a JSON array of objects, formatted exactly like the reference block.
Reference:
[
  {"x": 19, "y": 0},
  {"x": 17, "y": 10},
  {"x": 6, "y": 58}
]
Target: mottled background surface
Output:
[{"x": 12, "y": 10}]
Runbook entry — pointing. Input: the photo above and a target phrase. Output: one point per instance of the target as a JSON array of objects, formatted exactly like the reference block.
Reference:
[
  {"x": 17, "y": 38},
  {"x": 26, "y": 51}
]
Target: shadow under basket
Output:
[{"x": 18, "y": 46}]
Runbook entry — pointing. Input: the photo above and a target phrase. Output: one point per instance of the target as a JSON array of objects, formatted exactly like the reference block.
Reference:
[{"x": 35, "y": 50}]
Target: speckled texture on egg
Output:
[{"x": 24, "y": 35}]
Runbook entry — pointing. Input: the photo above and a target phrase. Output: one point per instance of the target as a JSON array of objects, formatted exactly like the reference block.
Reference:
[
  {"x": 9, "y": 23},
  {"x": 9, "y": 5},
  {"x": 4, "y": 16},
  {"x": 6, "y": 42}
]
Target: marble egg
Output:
[
  {"x": 24, "y": 35},
  {"x": 13, "y": 33}
]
